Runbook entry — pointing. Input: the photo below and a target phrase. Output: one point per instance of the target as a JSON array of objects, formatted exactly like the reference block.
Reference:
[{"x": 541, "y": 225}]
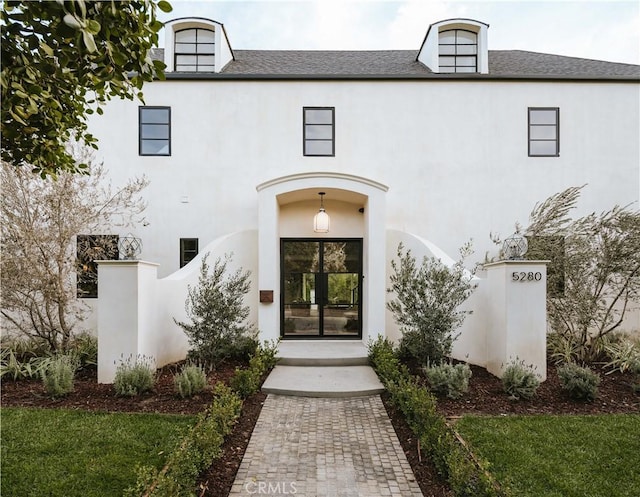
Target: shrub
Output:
[
  {"x": 134, "y": 378},
  {"x": 385, "y": 361},
  {"x": 624, "y": 356},
  {"x": 58, "y": 375},
  {"x": 520, "y": 381},
  {"x": 437, "y": 438},
  {"x": 448, "y": 379},
  {"x": 225, "y": 408},
  {"x": 12, "y": 366},
  {"x": 426, "y": 304},
  {"x": 194, "y": 453},
  {"x": 580, "y": 382},
  {"x": 85, "y": 347},
  {"x": 217, "y": 330},
  {"x": 24, "y": 358},
  {"x": 268, "y": 352},
  {"x": 246, "y": 382},
  {"x": 190, "y": 381}
]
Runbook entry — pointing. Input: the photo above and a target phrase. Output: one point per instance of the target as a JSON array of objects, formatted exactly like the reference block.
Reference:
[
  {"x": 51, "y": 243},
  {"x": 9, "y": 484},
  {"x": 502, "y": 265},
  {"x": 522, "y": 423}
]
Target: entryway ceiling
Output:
[{"x": 330, "y": 194}]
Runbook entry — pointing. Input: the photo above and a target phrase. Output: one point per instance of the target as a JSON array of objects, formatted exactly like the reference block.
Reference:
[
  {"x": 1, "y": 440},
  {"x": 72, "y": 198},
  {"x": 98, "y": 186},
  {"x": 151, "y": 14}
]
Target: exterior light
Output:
[
  {"x": 129, "y": 247},
  {"x": 321, "y": 219},
  {"x": 515, "y": 247}
]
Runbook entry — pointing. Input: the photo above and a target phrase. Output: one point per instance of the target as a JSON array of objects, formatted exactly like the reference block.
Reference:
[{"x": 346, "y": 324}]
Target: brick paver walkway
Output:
[{"x": 317, "y": 447}]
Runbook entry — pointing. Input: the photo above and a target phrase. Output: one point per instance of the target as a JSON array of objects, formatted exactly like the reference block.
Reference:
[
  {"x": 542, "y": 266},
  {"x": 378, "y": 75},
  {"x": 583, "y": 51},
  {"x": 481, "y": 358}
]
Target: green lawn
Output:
[
  {"x": 563, "y": 456},
  {"x": 75, "y": 453}
]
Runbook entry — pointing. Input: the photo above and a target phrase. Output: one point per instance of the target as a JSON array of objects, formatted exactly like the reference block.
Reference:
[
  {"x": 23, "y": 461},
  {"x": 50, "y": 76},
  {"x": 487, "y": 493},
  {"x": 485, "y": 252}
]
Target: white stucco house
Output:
[{"x": 434, "y": 146}]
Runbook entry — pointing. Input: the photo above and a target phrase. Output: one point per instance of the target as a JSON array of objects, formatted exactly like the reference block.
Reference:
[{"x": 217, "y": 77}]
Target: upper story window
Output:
[
  {"x": 544, "y": 131},
  {"x": 458, "y": 51},
  {"x": 319, "y": 131},
  {"x": 194, "y": 50},
  {"x": 155, "y": 131}
]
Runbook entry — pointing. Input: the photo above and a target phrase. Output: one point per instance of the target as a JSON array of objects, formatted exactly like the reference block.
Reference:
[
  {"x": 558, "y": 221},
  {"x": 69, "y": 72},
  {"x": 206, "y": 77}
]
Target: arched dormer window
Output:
[
  {"x": 458, "y": 51},
  {"x": 196, "y": 44},
  {"x": 456, "y": 46},
  {"x": 194, "y": 50}
]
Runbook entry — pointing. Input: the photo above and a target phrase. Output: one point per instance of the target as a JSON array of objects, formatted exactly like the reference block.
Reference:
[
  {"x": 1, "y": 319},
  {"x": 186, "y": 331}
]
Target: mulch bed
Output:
[
  {"x": 484, "y": 398},
  {"x": 615, "y": 395}
]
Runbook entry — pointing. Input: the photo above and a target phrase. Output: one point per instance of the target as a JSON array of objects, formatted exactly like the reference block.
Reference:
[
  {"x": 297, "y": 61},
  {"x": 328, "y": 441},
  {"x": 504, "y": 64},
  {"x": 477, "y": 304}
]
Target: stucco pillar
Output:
[
  {"x": 126, "y": 317},
  {"x": 269, "y": 265},
  {"x": 375, "y": 259},
  {"x": 517, "y": 326}
]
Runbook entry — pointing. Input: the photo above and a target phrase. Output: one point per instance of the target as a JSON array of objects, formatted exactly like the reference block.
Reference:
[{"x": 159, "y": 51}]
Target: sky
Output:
[{"x": 593, "y": 29}]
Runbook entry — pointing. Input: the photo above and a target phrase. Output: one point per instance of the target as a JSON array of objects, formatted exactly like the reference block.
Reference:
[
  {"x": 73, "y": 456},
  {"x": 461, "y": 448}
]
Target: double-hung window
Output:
[
  {"x": 544, "y": 131},
  {"x": 319, "y": 131},
  {"x": 155, "y": 131}
]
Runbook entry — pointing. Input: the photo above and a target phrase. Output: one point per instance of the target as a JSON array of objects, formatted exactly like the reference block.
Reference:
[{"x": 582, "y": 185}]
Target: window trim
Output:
[
  {"x": 141, "y": 108},
  {"x": 304, "y": 132},
  {"x": 176, "y": 53},
  {"x": 454, "y": 69},
  {"x": 556, "y": 138},
  {"x": 183, "y": 263}
]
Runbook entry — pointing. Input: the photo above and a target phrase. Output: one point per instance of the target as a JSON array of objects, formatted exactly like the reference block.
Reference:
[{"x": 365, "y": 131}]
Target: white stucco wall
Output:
[
  {"x": 137, "y": 312},
  {"x": 454, "y": 154}
]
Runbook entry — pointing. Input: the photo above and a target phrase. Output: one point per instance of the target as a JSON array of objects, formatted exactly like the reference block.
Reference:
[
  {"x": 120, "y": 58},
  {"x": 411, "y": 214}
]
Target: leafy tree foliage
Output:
[
  {"x": 601, "y": 269},
  {"x": 40, "y": 222},
  {"x": 426, "y": 304},
  {"x": 62, "y": 61},
  {"x": 217, "y": 312}
]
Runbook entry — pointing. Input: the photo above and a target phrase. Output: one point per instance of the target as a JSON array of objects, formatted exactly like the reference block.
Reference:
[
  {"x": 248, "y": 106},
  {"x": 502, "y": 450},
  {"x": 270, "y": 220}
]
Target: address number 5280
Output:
[{"x": 526, "y": 277}]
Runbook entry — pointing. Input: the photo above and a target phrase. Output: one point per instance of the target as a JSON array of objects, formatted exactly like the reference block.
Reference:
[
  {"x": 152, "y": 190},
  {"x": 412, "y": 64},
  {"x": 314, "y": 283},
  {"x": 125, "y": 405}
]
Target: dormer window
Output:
[
  {"x": 456, "y": 46},
  {"x": 196, "y": 45},
  {"x": 195, "y": 50},
  {"x": 458, "y": 51}
]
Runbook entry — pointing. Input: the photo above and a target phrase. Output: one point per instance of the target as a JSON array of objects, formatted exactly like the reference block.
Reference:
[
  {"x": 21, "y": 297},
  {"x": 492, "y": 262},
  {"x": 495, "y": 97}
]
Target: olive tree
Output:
[
  {"x": 427, "y": 303},
  {"x": 595, "y": 278},
  {"x": 41, "y": 220},
  {"x": 217, "y": 327},
  {"x": 62, "y": 61}
]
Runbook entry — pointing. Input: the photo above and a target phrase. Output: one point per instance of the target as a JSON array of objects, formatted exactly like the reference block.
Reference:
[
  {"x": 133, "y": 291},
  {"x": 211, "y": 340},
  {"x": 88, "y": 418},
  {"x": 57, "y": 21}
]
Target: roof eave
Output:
[{"x": 182, "y": 76}]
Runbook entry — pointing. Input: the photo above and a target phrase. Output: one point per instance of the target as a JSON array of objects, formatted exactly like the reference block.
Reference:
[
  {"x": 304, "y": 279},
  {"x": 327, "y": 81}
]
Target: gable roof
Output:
[{"x": 402, "y": 64}]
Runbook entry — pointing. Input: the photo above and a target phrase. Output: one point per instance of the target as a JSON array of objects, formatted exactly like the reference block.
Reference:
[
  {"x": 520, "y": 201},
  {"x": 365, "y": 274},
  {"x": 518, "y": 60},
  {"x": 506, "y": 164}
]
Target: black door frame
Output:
[{"x": 322, "y": 281}]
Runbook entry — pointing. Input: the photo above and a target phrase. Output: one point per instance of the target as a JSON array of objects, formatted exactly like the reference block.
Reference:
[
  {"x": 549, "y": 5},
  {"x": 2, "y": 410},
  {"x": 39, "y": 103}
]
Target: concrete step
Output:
[
  {"x": 322, "y": 353},
  {"x": 323, "y": 381}
]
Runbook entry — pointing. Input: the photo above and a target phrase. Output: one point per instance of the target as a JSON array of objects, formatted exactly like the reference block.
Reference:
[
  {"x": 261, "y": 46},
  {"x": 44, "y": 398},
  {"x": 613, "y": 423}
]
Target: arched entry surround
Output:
[{"x": 347, "y": 190}]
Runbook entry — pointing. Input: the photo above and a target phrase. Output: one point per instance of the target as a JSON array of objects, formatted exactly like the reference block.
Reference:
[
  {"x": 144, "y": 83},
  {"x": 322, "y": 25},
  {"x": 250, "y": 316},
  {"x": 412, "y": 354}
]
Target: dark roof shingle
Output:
[{"x": 389, "y": 64}]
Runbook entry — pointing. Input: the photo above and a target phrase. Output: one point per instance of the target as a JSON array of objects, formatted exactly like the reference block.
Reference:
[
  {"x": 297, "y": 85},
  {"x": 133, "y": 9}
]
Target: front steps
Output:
[{"x": 313, "y": 368}]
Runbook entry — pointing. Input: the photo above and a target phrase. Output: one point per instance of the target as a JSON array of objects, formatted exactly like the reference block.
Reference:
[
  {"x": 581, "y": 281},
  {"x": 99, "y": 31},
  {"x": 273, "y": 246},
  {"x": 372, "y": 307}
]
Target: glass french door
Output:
[{"x": 321, "y": 288}]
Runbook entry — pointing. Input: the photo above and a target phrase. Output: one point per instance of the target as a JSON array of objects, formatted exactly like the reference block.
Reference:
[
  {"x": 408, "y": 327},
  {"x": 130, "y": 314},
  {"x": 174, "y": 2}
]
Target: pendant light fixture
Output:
[{"x": 321, "y": 219}]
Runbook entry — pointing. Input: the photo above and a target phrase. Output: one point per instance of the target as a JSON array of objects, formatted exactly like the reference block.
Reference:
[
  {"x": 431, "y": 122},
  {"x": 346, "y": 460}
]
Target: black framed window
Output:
[
  {"x": 544, "y": 131},
  {"x": 91, "y": 248},
  {"x": 188, "y": 250},
  {"x": 319, "y": 131},
  {"x": 155, "y": 130},
  {"x": 458, "y": 51},
  {"x": 194, "y": 50}
]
